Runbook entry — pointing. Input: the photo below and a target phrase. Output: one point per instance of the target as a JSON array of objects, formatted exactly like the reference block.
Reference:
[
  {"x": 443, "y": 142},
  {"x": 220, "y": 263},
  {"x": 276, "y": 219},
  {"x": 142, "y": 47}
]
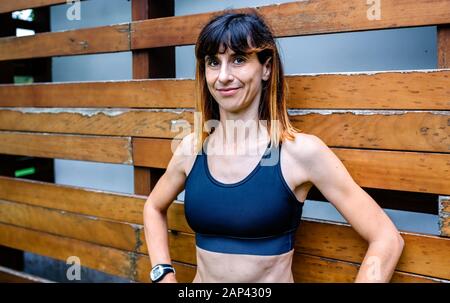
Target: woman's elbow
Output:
[{"x": 395, "y": 241}]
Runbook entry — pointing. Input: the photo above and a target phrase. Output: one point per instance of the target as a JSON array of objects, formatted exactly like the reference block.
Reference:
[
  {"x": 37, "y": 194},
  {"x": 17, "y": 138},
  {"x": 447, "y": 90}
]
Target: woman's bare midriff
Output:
[{"x": 213, "y": 267}]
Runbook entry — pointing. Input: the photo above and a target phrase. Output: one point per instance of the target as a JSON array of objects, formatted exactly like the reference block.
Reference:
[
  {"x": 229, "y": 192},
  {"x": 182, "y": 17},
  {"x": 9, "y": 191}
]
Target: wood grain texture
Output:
[
  {"x": 10, "y": 6},
  {"x": 115, "y": 122},
  {"x": 74, "y": 147},
  {"x": 150, "y": 93},
  {"x": 443, "y": 45},
  {"x": 104, "y": 39},
  {"x": 298, "y": 18},
  {"x": 90, "y": 202},
  {"x": 109, "y": 260},
  {"x": 398, "y": 130},
  {"x": 423, "y": 255},
  {"x": 91, "y": 229},
  {"x": 408, "y": 171},
  {"x": 414, "y": 131},
  {"x": 419, "y": 90},
  {"x": 444, "y": 215}
]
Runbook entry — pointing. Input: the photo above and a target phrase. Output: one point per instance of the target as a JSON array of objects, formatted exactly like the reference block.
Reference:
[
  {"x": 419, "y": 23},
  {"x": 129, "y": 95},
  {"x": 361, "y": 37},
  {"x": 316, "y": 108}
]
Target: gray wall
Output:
[{"x": 411, "y": 48}]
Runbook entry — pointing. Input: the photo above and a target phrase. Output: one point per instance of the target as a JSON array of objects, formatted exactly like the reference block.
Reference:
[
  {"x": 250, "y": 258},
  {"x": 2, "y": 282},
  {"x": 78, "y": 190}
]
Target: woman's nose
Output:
[{"x": 225, "y": 74}]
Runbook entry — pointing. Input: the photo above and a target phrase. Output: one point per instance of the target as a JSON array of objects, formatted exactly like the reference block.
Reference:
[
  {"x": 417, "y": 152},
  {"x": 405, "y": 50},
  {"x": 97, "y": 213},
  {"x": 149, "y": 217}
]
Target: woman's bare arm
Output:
[
  {"x": 162, "y": 195},
  {"x": 330, "y": 176}
]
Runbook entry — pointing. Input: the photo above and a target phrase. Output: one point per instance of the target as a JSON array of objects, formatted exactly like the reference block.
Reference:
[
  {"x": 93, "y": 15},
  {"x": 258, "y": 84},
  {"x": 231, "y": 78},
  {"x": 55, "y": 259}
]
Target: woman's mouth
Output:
[{"x": 228, "y": 91}]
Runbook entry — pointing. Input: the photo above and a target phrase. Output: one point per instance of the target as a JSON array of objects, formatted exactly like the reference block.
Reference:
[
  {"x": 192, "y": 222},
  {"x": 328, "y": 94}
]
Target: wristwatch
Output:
[{"x": 159, "y": 271}]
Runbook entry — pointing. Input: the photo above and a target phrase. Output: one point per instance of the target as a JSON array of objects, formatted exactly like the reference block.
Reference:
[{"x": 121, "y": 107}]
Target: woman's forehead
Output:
[{"x": 224, "y": 49}]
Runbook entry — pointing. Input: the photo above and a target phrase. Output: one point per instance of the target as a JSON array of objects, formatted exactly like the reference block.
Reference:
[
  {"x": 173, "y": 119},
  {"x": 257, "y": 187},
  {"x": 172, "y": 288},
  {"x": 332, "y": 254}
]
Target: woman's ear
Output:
[{"x": 267, "y": 66}]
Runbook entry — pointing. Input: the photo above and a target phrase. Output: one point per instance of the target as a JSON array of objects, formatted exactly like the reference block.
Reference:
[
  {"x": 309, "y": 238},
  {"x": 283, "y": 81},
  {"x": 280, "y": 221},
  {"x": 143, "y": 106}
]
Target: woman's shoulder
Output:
[
  {"x": 186, "y": 152},
  {"x": 304, "y": 146}
]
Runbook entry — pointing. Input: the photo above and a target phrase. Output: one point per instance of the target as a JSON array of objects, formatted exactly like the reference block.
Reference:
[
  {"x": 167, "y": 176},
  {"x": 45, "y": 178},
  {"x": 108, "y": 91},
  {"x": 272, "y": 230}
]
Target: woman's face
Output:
[{"x": 235, "y": 81}]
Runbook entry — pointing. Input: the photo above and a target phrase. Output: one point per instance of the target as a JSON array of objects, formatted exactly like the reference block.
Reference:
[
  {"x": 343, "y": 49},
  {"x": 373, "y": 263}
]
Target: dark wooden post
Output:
[
  {"x": 151, "y": 63},
  {"x": 443, "y": 47}
]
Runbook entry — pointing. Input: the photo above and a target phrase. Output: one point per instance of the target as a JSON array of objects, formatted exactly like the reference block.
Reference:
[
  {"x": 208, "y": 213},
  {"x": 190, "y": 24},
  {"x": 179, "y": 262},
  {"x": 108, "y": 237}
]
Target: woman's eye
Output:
[
  {"x": 211, "y": 62},
  {"x": 239, "y": 60}
]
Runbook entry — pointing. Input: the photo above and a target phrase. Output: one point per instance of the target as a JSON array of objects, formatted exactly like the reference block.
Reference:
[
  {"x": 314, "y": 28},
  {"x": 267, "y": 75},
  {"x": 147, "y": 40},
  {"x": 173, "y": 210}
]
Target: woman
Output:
[{"x": 245, "y": 205}]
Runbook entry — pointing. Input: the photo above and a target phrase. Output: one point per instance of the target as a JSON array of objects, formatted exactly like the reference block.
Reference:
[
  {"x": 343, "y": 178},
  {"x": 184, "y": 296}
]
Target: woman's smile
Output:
[{"x": 228, "y": 91}]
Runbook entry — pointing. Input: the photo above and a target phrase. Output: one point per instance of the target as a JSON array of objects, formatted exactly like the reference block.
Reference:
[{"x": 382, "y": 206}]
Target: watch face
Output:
[{"x": 156, "y": 272}]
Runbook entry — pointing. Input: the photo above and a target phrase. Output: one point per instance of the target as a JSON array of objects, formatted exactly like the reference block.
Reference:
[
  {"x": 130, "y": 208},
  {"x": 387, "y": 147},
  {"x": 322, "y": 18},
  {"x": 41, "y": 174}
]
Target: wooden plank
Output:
[
  {"x": 443, "y": 45},
  {"x": 86, "y": 148},
  {"x": 8, "y": 275},
  {"x": 91, "y": 229},
  {"x": 423, "y": 254},
  {"x": 444, "y": 215},
  {"x": 153, "y": 93},
  {"x": 103, "y": 39},
  {"x": 299, "y": 18},
  {"x": 426, "y": 89},
  {"x": 153, "y": 152},
  {"x": 418, "y": 131},
  {"x": 414, "y": 131},
  {"x": 139, "y": 11},
  {"x": 312, "y": 269},
  {"x": 16, "y": 5},
  {"x": 116, "y": 122},
  {"x": 109, "y": 260},
  {"x": 98, "y": 203},
  {"x": 421, "y": 90},
  {"x": 407, "y": 171},
  {"x": 151, "y": 63}
]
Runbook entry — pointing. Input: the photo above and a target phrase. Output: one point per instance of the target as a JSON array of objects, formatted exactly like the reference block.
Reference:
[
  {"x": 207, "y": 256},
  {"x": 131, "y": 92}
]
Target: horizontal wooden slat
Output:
[
  {"x": 109, "y": 260},
  {"x": 86, "y": 148},
  {"x": 159, "y": 93},
  {"x": 412, "y": 130},
  {"x": 312, "y": 269},
  {"x": 397, "y": 130},
  {"x": 115, "y": 122},
  {"x": 299, "y": 18},
  {"x": 8, "y": 275},
  {"x": 98, "y": 203},
  {"x": 408, "y": 171},
  {"x": 421, "y": 89},
  {"x": 81, "y": 227},
  {"x": 153, "y": 152},
  {"x": 104, "y": 39},
  {"x": 10, "y": 6},
  {"x": 423, "y": 254},
  {"x": 288, "y": 19},
  {"x": 376, "y": 90}
]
